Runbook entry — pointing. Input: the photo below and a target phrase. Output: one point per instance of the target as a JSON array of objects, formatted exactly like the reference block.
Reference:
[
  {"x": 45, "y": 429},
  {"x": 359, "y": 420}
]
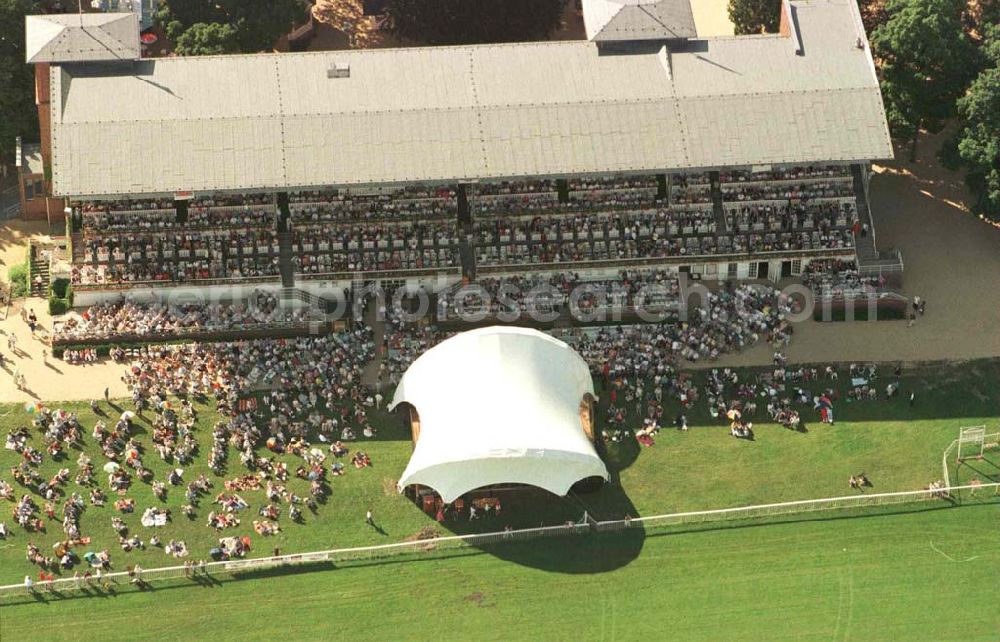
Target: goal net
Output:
[{"x": 970, "y": 443}]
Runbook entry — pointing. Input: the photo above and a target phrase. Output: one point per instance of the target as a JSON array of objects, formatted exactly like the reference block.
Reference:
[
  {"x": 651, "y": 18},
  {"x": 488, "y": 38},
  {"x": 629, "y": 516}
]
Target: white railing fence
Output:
[
  {"x": 207, "y": 571},
  {"x": 990, "y": 440}
]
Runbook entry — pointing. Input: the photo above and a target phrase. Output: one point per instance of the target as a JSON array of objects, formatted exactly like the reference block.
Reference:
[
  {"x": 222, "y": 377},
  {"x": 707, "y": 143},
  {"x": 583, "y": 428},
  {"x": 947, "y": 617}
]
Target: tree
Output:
[
  {"x": 453, "y": 22},
  {"x": 979, "y": 140},
  {"x": 256, "y": 24},
  {"x": 873, "y": 14},
  {"x": 18, "y": 114},
  {"x": 755, "y": 16},
  {"x": 207, "y": 39},
  {"x": 926, "y": 62}
]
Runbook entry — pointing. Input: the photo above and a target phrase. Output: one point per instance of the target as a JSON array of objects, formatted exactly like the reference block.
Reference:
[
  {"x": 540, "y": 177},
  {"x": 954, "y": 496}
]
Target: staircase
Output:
[
  {"x": 285, "y": 265},
  {"x": 39, "y": 267},
  {"x": 717, "y": 209},
  {"x": 467, "y": 254},
  {"x": 79, "y": 251},
  {"x": 370, "y": 372},
  {"x": 870, "y": 260}
]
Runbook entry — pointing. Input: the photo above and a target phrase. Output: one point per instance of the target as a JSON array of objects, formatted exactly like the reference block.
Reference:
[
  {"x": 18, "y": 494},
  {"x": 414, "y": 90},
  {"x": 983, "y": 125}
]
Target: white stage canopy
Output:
[{"x": 499, "y": 405}]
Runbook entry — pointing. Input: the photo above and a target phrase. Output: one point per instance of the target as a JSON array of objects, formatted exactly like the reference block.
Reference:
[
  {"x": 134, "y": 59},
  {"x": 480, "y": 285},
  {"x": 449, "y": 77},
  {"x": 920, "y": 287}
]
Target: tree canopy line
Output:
[
  {"x": 18, "y": 115},
  {"x": 206, "y": 27}
]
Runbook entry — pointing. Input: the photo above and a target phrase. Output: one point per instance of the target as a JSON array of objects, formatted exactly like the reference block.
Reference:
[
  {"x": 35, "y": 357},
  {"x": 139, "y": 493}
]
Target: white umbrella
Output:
[{"x": 111, "y": 467}]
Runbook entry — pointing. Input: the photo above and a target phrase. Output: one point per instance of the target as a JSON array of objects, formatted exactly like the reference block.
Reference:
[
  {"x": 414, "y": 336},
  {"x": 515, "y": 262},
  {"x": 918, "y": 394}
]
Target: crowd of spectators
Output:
[
  {"x": 204, "y": 214},
  {"x": 178, "y": 256},
  {"x": 514, "y": 223},
  {"x": 368, "y": 247},
  {"x": 639, "y": 234},
  {"x": 124, "y": 319},
  {"x": 515, "y": 295},
  {"x": 406, "y": 204},
  {"x": 838, "y": 278}
]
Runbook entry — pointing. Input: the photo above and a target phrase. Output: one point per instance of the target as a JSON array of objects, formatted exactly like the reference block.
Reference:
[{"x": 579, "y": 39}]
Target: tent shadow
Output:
[{"x": 587, "y": 551}]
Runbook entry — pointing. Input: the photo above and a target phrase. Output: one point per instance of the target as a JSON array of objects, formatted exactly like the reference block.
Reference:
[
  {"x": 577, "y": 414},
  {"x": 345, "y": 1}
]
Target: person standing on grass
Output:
[
  {"x": 369, "y": 518},
  {"x": 913, "y": 396},
  {"x": 29, "y": 586}
]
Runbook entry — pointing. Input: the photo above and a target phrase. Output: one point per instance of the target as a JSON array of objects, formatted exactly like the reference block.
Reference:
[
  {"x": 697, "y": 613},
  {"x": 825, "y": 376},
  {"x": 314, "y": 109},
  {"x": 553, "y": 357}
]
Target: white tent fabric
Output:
[{"x": 499, "y": 405}]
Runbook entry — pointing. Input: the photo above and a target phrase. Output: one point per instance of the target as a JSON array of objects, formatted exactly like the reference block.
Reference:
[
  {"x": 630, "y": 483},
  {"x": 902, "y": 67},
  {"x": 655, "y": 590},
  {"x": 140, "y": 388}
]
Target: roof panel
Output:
[
  {"x": 78, "y": 37},
  {"x": 441, "y": 114},
  {"x": 618, "y": 20}
]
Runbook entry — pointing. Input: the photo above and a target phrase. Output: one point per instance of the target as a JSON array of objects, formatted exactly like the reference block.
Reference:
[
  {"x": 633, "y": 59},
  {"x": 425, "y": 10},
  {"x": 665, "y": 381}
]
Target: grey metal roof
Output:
[
  {"x": 79, "y": 37},
  {"x": 615, "y": 20},
  {"x": 271, "y": 122}
]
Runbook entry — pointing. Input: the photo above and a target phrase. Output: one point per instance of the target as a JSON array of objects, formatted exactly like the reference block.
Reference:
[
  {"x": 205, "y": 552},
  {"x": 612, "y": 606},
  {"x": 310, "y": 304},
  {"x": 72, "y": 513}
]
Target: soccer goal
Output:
[{"x": 971, "y": 441}]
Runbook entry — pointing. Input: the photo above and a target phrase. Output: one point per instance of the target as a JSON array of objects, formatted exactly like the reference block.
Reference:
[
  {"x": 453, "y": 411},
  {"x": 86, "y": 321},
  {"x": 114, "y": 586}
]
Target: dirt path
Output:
[
  {"x": 711, "y": 18},
  {"x": 47, "y": 378},
  {"x": 951, "y": 259}
]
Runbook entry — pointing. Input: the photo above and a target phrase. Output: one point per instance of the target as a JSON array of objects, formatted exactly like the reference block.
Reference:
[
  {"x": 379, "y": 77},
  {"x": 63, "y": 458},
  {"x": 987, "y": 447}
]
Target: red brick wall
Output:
[
  {"x": 36, "y": 208},
  {"x": 56, "y": 213},
  {"x": 44, "y": 109}
]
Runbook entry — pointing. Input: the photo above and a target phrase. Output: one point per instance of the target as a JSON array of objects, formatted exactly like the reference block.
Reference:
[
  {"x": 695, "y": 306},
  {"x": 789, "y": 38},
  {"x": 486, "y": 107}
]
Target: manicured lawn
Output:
[
  {"x": 787, "y": 580},
  {"x": 873, "y": 578}
]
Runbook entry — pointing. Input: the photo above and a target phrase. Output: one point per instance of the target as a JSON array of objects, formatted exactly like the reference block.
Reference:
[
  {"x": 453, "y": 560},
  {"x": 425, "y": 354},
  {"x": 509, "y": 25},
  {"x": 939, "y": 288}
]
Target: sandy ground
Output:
[
  {"x": 14, "y": 237},
  {"x": 47, "y": 378},
  {"x": 952, "y": 260},
  {"x": 711, "y": 18}
]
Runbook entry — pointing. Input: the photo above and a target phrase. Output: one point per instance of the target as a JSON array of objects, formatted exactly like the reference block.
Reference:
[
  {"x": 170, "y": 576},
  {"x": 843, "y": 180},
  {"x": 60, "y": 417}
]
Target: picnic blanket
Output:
[{"x": 151, "y": 519}]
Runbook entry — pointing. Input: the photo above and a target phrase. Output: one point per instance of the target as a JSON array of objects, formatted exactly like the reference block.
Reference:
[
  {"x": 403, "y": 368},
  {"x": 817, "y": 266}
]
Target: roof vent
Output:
[{"x": 339, "y": 70}]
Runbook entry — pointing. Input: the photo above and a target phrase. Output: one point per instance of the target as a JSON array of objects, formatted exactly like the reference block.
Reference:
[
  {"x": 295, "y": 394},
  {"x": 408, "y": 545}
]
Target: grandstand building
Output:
[{"x": 727, "y": 158}]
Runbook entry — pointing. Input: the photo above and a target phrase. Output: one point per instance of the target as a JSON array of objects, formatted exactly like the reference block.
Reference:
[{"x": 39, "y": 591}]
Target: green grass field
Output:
[
  {"x": 871, "y": 578},
  {"x": 792, "y": 580}
]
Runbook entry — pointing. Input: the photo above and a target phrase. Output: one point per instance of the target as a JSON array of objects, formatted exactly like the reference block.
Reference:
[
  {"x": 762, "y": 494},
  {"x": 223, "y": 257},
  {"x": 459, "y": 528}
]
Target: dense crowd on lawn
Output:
[
  {"x": 730, "y": 320},
  {"x": 128, "y": 319},
  {"x": 273, "y": 396},
  {"x": 304, "y": 398}
]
